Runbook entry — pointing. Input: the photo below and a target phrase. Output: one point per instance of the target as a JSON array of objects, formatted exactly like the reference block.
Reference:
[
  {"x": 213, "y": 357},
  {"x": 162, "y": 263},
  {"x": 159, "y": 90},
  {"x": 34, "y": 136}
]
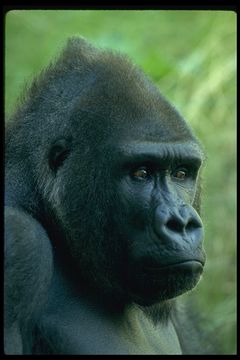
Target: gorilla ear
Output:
[{"x": 58, "y": 153}]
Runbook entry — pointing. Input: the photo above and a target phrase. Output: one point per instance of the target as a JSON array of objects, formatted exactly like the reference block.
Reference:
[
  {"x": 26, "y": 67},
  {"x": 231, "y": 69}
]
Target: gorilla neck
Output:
[
  {"x": 160, "y": 312},
  {"x": 109, "y": 301}
]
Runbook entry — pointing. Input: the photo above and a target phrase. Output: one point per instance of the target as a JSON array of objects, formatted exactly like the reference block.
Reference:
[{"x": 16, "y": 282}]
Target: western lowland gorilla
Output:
[{"x": 102, "y": 231}]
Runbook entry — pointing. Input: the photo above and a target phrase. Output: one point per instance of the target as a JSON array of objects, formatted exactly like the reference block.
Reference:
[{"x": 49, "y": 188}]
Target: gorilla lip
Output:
[{"x": 193, "y": 265}]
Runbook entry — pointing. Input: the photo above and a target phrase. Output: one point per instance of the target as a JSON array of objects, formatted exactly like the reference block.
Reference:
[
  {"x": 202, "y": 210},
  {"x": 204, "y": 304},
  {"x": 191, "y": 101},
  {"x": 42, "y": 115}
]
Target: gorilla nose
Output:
[
  {"x": 179, "y": 224},
  {"x": 182, "y": 221}
]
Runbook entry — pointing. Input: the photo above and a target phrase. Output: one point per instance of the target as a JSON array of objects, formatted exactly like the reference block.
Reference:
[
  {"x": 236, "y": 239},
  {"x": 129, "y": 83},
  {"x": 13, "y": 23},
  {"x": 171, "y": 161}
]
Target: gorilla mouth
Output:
[
  {"x": 194, "y": 266},
  {"x": 153, "y": 284}
]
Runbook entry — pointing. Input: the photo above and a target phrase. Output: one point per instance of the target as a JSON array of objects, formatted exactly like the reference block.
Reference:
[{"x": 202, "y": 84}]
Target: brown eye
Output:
[
  {"x": 141, "y": 173},
  {"x": 180, "y": 174}
]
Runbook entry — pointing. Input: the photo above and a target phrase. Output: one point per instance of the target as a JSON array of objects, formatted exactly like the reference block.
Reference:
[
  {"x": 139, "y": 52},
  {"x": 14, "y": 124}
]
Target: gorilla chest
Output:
[{"x": 82, "y": 330}]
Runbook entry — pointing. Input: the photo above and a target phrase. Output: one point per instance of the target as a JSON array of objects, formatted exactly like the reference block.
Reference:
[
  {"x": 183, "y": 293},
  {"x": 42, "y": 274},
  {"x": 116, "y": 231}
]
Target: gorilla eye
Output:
[
  {"x": 141, "y": 173},
  {"x": 180, "y": 174}
]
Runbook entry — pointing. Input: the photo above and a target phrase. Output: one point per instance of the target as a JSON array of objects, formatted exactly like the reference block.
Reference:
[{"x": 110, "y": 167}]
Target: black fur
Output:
[{"x": 101, "y": 231}]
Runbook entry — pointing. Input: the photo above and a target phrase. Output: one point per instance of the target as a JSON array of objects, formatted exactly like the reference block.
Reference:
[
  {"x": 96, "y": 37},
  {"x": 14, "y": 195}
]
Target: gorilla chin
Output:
[{"x": 152, "y": 285}]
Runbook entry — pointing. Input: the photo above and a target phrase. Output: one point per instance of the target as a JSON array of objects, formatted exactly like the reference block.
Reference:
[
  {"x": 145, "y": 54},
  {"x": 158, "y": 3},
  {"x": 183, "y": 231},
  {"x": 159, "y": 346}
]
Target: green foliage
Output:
[{"x": 191, "y": 55}]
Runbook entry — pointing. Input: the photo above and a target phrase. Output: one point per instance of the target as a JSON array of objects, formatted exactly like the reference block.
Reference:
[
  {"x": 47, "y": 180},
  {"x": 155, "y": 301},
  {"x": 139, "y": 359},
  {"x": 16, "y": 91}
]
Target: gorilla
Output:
[{"x": 102, "y": 225}]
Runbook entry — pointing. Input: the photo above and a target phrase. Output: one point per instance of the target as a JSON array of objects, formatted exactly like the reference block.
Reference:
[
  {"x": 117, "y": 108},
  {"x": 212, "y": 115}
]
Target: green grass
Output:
[{"x": 191, "y": 55}]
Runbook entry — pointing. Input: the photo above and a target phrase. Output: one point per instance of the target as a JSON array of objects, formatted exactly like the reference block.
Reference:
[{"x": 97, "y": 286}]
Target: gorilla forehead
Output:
[
  {"x": 155, "y": 122},
  {"x": 132, "y": 112}
]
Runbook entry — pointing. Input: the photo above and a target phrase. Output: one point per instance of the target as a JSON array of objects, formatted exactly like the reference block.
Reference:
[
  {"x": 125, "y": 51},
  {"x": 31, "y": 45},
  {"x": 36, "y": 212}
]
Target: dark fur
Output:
[{"x": 66, "y": 243}]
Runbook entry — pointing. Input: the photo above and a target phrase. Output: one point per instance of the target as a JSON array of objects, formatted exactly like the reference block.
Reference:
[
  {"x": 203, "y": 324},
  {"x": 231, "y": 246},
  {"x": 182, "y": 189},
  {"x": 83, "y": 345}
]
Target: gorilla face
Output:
[
  {"x": 164, "y": 232},
  {"x": 122, "y": 186},
  {"x": 156, "y": 178},
  {"x": 144, "y": 237}
]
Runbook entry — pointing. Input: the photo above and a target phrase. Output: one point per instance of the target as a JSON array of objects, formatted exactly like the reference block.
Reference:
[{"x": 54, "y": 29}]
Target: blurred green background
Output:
[{"x": 191, "y": 55}]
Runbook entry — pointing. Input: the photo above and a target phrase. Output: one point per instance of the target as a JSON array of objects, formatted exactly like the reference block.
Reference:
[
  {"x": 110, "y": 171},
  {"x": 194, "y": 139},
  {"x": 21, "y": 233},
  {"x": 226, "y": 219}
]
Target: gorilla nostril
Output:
[
  {"x": 192, "y": 225},
  {"x": 175, "y": 225},
  {"x": 178, "y": 225}
]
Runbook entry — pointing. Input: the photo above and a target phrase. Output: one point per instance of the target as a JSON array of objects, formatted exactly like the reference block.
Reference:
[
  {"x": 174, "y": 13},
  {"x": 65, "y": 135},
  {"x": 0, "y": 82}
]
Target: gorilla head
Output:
[{"x": 112, "y": 171}]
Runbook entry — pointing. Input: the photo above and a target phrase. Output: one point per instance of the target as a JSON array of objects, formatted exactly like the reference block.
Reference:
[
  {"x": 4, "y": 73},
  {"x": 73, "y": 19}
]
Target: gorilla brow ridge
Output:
[{"x": 161, "y": 153}]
